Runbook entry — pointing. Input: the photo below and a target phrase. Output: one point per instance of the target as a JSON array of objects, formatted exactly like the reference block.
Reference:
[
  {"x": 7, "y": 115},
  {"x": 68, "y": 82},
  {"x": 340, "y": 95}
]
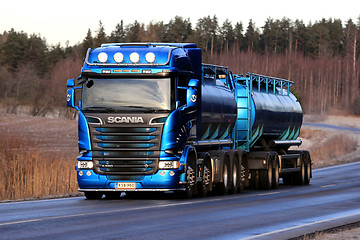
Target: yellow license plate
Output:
[{"x": 125, "y": 185}]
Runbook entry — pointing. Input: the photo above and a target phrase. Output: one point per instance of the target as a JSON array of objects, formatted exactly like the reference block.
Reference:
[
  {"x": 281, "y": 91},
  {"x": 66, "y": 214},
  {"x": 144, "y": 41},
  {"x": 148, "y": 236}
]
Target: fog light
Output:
[
  {"x": 171, "y": 173},
  {"x": 162, "y": 173},
  {"x": 81, "y": 173},
  {"x": 88, "y": 173}
]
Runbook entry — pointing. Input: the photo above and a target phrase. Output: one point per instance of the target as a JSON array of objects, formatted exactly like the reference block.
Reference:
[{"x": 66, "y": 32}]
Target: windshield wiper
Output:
[
  {"x": 99, "y": 109},
  {"x": 147, "y": 109}
]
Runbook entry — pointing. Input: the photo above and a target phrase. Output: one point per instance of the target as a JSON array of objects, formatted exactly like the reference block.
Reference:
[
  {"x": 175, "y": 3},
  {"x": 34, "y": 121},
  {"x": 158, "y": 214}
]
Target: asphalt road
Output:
[
  {"x": 341, "y": 128},
  {"x": 332, "y": 199}
]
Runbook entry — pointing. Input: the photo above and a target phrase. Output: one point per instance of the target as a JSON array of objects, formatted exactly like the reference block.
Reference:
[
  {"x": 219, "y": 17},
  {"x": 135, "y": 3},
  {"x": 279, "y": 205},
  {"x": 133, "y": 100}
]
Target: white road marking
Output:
[{"x": 357, "y": 213}]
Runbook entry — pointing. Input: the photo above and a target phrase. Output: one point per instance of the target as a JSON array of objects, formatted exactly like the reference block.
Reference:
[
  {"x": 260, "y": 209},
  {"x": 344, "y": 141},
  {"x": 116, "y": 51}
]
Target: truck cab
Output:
[{"x": 136, "y": 112}]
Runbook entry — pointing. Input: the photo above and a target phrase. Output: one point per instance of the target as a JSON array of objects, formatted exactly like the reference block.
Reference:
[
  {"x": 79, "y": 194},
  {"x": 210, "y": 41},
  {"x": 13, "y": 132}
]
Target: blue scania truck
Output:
[{"x": 153, "y": 118}]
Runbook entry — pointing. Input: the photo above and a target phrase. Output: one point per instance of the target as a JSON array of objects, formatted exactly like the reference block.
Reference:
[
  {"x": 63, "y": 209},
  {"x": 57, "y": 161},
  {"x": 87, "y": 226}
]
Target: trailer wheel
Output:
[
  {"x": 300, "y": 176},
  {"x": 236, "y": 176},
  {"x": 93, "y": 195},
  {"x": 307, "y": 169},
  {"x": 266, "y": 177},
  {"x": 275, "y": 183},
  {"x": 223, "y": 187}
]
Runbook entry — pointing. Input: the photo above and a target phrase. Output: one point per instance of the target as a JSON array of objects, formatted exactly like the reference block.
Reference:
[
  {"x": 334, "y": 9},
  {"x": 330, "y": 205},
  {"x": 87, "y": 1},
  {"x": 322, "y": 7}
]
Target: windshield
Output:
[{"x": 149, "y": 94}]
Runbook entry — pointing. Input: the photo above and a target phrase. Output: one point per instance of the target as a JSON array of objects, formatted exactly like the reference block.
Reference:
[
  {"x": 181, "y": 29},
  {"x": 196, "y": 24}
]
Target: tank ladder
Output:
[{"x": 241, "y": 81}]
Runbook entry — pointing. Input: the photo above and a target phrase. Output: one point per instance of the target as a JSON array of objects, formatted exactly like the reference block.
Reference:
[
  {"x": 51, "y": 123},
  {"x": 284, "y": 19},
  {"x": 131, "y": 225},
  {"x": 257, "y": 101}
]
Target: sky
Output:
[{"x": 67, "y": 21}]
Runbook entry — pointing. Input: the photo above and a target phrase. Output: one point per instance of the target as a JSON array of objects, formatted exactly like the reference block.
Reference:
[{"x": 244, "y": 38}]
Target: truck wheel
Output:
[
  {"x": 223, "y": 187},
  {"x": 190, "y": 176},
  {"x": 275, "y": 183},
  {"x": 206, "y": 182},
  {"x": 93, "y": 195},
  {"x": 307, "y": 169},
  {"x": 236, "y": 178},
  {"x": 300, "y": 176},
  {"x": 266, "y": 177}
]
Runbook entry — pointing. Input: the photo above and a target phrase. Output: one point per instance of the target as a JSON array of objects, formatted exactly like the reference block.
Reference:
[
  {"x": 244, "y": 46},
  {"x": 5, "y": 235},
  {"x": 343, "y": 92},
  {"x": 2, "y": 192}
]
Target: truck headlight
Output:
[
  {"x": 102, "y": 57},
  {"x": 168, "y": 164},
  {"x": 85, "y": 164}
]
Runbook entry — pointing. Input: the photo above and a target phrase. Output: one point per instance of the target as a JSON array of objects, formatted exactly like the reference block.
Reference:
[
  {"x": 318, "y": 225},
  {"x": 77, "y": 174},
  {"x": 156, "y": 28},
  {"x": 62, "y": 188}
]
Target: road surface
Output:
[{"x": 332, "y": 199}]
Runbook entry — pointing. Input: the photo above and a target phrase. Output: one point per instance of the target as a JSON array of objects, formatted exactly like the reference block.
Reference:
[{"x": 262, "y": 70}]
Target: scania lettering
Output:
[
  {"x": 154, "y": 118},
  {"x": 125, "y": 120}
]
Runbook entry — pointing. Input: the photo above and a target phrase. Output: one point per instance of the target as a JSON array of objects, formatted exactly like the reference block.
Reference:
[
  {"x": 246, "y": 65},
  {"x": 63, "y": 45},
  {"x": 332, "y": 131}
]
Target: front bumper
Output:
[{"x": 163, "y": 180}]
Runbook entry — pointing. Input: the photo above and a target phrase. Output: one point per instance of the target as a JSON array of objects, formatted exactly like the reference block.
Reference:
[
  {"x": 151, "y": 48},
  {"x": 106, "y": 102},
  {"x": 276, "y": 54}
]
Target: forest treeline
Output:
[{"x": 322, "y": 58}]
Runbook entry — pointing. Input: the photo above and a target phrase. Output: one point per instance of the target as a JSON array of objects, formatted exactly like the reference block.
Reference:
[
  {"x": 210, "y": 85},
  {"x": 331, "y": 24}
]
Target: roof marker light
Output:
[
  {"x": 134, "y": 57},
  {"x": 118, "y": 57},
  {"x": 150, "y": 57},
  {"x": 102, "y": 57}
]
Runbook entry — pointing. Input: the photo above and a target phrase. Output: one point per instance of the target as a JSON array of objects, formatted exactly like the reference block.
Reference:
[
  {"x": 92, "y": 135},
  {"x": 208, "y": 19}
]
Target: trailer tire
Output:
[
  {"x": 266, "y": 177},
  {"x": 300, "y": 176},
  {"x": 307, "y": 169},
  {"x": 93, "y": 195},
  {"x": 224, "y": 186},
  {"x": 236, "y": 176},
  {"x": 276, "y": 174}
]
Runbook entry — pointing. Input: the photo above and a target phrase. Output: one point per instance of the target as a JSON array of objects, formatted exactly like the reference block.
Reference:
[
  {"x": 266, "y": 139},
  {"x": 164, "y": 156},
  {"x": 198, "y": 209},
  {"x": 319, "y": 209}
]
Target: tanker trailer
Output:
[{"x": 153, "y": 118}]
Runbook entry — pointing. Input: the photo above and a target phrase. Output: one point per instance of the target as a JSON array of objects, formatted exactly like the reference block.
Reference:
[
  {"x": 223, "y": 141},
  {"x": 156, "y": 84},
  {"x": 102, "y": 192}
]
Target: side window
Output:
[{"x": 182, "y": 84}]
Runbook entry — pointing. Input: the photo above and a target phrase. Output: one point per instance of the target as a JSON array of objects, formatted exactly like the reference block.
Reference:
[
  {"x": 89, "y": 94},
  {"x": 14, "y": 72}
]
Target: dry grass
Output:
[
  {"x": 328, "y": 148},
  {"x": 28, "y": 173}
]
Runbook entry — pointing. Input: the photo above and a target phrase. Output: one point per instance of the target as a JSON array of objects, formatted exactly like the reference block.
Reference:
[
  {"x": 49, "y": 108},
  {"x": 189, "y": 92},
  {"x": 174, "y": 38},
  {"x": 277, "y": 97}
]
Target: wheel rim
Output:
[
  {"x": 206, "y": 180},
  {"x": 308, "y": 171},
  {"x": 276, "y": 175},
  {"x": 302, "y": 171},
  {"x": 235, "y": 177},
  {"x": 270, "y": 174},
  {"x": 226, "y": 176},
  {"x": 190, "y": 176}
]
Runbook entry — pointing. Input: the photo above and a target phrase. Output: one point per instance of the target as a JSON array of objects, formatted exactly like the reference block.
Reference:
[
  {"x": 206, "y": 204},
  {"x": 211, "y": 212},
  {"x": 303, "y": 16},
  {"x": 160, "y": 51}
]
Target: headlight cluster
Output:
[{"x": 119, "y": 57}]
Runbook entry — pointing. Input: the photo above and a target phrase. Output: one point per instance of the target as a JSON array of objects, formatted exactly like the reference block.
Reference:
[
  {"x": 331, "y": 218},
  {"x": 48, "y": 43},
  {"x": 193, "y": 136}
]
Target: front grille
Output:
[{"x": 125, "y": 150}]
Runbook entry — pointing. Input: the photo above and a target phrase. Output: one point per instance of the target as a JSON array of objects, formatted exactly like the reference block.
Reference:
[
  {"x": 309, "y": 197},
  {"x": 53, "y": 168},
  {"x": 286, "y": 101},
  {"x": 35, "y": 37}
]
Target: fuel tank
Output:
[
  {"x": 275, "y": 115},
  {"x": 218, "y": 110}
]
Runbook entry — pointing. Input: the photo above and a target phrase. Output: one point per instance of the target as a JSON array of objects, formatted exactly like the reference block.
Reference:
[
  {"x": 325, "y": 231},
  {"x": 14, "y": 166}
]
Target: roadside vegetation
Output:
[
  {"x": 322, "y": 58},
  {"x": 29, "y": 173},
  {"x": 38, "y": 155},
  {"x": 329, "y": 148}
]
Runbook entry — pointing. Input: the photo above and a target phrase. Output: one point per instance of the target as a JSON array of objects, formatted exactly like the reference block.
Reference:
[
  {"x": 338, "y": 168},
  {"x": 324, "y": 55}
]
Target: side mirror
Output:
[
  {"x": 70, "y": 83},
  {"x": 70, "y": 97}
]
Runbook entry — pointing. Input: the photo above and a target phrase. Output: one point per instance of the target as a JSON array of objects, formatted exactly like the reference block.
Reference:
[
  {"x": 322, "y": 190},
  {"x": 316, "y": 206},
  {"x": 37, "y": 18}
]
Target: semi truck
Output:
[{"x": 153, "y": 118}]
